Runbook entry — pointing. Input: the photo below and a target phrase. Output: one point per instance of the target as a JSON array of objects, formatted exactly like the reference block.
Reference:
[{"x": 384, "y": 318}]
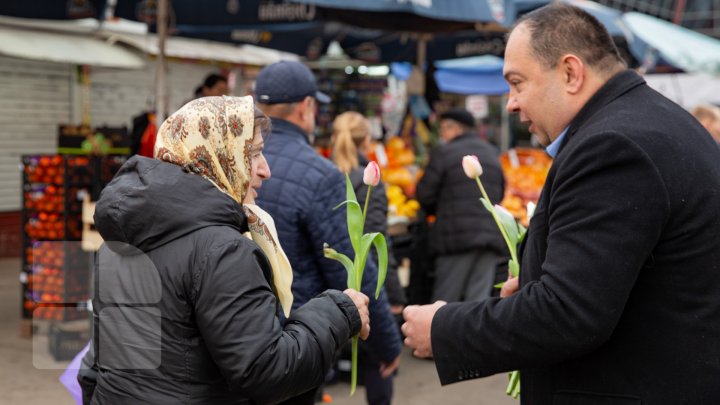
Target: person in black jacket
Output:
[
  {"x": 351, "y": 142},
  {"x": 302, "y": 195},
  {"x": 620, "y": 270},
  {"x": 188, "y": 309},
  {"x": 464, "y": 237}
]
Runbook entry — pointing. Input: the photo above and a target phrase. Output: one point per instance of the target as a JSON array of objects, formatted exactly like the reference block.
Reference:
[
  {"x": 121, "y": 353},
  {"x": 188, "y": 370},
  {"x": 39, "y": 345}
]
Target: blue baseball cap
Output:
[{"x": 286, "y": 82}]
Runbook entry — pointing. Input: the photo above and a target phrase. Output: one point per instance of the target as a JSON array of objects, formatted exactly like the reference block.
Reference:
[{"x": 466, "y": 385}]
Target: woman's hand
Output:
[
  {"x": 510, "y": 287},
  {"x": 361, "y": 302}
]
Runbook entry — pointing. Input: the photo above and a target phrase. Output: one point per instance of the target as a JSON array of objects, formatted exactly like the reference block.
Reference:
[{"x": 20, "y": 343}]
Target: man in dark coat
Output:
[
  {"x": 620, "y": 272},
  {"x": 301, "y": 197},
  {"x": 464, "y": 238}
]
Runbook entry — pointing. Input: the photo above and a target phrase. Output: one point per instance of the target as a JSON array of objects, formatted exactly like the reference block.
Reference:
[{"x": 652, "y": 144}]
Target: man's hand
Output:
[
  {"x": 361, "y": 302},
  {"x": 418, "y": 322}
]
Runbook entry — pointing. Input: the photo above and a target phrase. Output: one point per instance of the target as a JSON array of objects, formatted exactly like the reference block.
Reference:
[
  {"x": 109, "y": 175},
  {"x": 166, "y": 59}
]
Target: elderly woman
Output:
[{"x": 189, "y": 309}]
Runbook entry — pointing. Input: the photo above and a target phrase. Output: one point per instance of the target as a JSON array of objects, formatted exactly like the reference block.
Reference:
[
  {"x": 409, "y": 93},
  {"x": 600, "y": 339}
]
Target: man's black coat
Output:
[
  {"x": 462, "y": 224},
  {"x": 620, "y": 272}
]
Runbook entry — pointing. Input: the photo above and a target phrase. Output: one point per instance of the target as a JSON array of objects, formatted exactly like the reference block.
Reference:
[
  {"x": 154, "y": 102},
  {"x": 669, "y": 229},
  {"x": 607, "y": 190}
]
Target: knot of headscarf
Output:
[{"x": 213, "y": 137}]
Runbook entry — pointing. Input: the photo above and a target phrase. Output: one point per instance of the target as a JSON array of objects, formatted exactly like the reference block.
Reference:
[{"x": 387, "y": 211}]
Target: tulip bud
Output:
[
  {"x": 371, "y": 176},
  {"x": 471, "y": 166},
  {"x": 531, "y": 209}
]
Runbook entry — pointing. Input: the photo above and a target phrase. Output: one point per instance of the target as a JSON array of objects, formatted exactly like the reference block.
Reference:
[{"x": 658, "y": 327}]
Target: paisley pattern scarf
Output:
[{"x": 213, "y": 137}]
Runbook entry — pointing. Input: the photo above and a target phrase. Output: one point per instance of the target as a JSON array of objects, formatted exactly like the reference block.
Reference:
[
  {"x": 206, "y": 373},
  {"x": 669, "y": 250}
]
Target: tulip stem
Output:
[
  {"x": 358, "y": 286},
  {"x": 367, "y": 200},
  {"x": 511, "y": 248},
  {"x": 512, "y": 386},
  {"x": 353, "y": 371}
]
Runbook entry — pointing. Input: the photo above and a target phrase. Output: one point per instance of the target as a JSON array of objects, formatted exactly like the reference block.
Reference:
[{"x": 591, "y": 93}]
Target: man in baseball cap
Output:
[{"x": 287, "y": 82}]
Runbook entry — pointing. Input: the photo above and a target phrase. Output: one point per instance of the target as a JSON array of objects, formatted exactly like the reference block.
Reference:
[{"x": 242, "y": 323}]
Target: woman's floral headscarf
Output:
[{"x": 213, "y": 137}]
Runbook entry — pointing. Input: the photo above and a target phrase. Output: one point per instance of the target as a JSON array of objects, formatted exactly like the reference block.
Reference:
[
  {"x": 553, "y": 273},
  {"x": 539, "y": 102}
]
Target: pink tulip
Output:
[
  {"x": 371, "y": 176},
  {"x": 471, "y": 166}
]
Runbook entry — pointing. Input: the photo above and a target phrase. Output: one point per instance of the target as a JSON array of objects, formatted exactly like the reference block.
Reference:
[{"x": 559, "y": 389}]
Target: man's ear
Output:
[
  {"x": 298, "y": 110},
  {"x": 308, "y": 104},
  {"x": 573, "y": 71}
]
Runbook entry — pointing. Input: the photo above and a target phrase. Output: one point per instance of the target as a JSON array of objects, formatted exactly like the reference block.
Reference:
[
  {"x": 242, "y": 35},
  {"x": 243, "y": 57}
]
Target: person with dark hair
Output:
[
  {"x": 464, "y": 238},
  {"x": 302, "y": 196},
  {"x": 214, "y": 85},
  {"x": 193, "y": 289},
  {"x": 617, "y": 301}
]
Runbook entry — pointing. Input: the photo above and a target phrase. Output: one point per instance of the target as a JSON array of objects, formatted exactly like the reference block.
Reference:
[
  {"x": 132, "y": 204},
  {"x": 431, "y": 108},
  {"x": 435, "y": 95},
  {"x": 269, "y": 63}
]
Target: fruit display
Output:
[
  {"x": 399, "y": 204},
  {"x": 56, "y": 271},
  {"x": 58, "y": 277},
  {"x": 525, "y": 171},
  {"x": 400, "y": 174}
]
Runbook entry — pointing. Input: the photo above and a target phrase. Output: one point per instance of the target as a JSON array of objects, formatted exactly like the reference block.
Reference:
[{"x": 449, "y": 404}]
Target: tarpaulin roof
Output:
[{"x": 475, "y": 75}]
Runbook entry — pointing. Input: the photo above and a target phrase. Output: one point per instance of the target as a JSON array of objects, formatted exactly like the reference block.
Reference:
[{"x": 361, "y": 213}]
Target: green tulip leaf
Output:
[
  {"x": 487, "y": 204},
  {"x": 381, "y": 248},
  {"x": 509, "y": 224},
  {"x": 522, "y": 232},
  {"x": 361, "y": 254},
  {"x": 346, "y": 262},
  {"x": 514, "y": 267},
  {"x": 354, "y": 214}
]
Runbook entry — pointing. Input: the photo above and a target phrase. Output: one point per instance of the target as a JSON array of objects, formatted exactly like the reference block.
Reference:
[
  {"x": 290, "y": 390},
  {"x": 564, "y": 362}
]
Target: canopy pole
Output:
[
  {"x": 422, "y": 51},
  {"x": 504, "y": 124},
  {"x": 161, "y": 101},
  {"x": 678, "y": 14}
]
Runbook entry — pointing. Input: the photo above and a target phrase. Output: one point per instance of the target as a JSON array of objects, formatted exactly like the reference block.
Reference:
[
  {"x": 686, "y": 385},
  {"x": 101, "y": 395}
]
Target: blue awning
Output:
[
  {"x": 455, "y": 10},
  {"x": 476, "y": 75},
  {"x": 680, "y": 47}
]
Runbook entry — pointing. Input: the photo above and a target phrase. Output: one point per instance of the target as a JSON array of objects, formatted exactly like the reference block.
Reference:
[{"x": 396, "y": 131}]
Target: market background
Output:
[{"x": 73, "y": 69}]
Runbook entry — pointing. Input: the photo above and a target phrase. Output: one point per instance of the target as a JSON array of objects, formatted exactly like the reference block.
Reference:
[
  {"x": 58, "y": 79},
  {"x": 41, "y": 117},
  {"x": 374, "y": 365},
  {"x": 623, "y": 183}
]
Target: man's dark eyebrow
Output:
[{"x": 510, "y": 73}]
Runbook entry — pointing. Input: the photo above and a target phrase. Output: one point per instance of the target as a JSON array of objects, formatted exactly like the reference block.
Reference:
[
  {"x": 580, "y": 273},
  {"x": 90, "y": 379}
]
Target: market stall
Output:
[{"x": 56, "y": 265}]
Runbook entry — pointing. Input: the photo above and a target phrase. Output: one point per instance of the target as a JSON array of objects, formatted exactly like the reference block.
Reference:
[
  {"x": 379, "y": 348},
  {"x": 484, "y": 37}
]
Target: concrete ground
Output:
[{"x": 21, "y": 382}]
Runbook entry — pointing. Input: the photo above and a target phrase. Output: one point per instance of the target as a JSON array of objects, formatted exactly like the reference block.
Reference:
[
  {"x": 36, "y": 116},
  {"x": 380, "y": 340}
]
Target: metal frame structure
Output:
[{"x": 699, "y": 15}]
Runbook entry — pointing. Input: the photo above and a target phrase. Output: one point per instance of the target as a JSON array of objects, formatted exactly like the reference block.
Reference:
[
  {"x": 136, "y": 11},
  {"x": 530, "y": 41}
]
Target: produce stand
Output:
[
  {"x": 55, "y": 273},
  {"x": 525, "y": 171}
]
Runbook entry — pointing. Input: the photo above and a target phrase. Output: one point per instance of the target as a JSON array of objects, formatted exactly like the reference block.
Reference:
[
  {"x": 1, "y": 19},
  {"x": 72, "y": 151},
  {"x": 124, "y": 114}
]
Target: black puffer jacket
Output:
[
  {"x": 198, "y": 322},
  {"x": 462, "y": 223}
]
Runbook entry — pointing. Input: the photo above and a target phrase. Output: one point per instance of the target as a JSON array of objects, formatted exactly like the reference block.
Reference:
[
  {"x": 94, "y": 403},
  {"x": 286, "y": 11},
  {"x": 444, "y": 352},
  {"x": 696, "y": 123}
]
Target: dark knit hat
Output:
[{"x": 459, "y": 115}]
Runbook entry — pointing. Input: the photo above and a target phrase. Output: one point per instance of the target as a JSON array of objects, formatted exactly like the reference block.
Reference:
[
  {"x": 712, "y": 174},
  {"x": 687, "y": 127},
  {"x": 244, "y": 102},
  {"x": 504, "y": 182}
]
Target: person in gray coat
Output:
[{"x": 464, "y": 238}]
